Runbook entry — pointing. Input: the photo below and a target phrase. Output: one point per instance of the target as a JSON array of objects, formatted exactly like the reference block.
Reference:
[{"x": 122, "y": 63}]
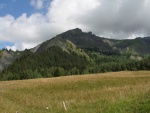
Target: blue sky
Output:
[
  {"x": 15, "y": 7},
  {"x": 4, "y": 44},
  {"x": 27, "y": 23},
  {"x": 18, "y": 7}
]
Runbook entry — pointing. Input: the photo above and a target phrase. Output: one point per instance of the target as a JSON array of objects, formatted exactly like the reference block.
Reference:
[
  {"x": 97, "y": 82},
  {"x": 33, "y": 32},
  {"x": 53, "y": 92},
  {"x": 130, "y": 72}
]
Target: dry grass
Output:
[{"x": 119, "y": 92}]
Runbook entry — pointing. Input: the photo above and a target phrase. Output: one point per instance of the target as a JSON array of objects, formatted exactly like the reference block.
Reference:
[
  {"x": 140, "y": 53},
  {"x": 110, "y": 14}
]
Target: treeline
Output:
[
  {"x": 50, "y": 63},
  {"x": 112, "y": 63},
  {"x": 55, "y": 62}
]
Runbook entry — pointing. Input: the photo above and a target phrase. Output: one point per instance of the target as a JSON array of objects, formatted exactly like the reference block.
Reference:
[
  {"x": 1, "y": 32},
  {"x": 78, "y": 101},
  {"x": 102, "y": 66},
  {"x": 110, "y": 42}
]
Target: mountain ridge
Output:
[
  {"x": 87, "y": 40},
  {"x": 75, "y": 52}
]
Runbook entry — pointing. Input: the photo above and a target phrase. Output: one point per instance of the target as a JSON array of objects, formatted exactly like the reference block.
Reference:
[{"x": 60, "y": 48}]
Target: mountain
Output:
[
  {"x": 91, "y": 42},
  {"x": 75, "y": 52},
  {"x": 7, "y": 58},
  {"x": 58, "y": 41},
  {"x": 86, "y": 41},
  {"x": 138, "y": 46}
]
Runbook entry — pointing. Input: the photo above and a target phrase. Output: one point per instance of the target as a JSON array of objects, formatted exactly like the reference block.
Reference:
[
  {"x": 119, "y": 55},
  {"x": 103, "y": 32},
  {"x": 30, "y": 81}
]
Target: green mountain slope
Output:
[
  {"x": 138, "y": 46},
  {"x": 49, "y": 63},
  {"x": 60, "y": 42}
]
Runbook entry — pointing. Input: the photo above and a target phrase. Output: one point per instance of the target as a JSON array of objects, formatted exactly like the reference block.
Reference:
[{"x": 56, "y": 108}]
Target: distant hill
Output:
[
  {"x": 75, "y": 52},
  {"x": 138, "y": 46}
]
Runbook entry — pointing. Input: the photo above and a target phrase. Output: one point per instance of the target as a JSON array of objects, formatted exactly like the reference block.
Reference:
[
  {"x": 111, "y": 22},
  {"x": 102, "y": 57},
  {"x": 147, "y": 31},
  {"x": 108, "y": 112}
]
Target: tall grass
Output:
[{"x": 120, "y": 92}]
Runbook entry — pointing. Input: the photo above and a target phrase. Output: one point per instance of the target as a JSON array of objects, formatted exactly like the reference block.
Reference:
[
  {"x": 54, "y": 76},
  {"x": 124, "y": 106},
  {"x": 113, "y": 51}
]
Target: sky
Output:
[{"x": 27, "y": 23}]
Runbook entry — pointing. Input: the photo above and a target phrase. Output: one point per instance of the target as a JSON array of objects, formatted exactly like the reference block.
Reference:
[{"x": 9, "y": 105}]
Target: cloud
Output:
[
  {"x": 38, "y": 4},
  {"x": 24, "y": 31},
  {"x": 63, "y": 13},
  {"x": 115, "y": 19}
]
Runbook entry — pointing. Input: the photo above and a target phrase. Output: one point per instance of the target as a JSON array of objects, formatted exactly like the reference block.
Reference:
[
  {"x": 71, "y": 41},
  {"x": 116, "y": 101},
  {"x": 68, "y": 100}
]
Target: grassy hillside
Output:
[{"x": 120, "y": 92}]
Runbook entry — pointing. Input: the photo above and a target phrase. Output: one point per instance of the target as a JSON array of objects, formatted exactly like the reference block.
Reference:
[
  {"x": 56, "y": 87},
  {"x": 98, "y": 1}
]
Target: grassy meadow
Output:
[{"x": 116, "y": 92}]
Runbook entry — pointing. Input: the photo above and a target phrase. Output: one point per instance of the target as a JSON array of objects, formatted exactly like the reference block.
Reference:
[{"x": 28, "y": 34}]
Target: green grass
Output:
[{"x": 120, "y": 92}]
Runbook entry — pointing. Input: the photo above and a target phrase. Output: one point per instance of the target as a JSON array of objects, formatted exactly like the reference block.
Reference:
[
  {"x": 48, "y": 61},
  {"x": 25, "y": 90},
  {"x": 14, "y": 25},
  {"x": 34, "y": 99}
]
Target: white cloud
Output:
[
  {"x": 24, "y": 31},
  {"x": 65, "y": 12},
  {"x": 11, "y": 47},
  {"x": 38, "y": 4},
  {"x": 114, "y": 19}
]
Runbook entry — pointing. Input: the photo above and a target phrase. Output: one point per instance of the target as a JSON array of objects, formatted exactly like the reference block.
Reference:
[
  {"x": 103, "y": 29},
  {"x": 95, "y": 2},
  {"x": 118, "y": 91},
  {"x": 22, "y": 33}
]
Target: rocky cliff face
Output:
[
  {"x": 7, "y": 58},
  {"x": 87, "y": 41}
]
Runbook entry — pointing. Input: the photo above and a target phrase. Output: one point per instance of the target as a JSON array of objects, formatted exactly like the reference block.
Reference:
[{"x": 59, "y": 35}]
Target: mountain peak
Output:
[{"x": 76, "y": 30}]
